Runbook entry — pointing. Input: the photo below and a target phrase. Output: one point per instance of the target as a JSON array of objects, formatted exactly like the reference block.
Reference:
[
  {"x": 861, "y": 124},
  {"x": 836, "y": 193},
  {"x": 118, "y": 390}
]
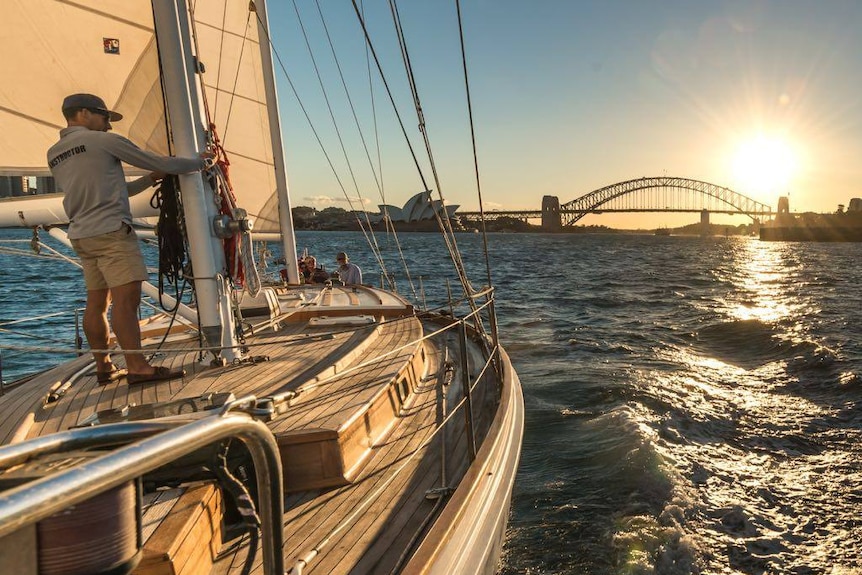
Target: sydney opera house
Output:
[{"x": 418, "y": 208}]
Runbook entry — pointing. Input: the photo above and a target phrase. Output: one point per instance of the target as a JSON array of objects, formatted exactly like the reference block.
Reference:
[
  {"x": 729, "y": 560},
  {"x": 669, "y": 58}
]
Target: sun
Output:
[{"x": 765, "y": 166}]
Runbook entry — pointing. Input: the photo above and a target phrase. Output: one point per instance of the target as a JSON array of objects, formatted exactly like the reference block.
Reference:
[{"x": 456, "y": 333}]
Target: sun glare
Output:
[{"x": 764, "y": 166}]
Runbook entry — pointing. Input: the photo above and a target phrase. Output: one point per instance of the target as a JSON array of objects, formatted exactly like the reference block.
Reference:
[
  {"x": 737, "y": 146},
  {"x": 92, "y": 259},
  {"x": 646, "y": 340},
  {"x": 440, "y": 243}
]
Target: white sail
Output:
[
  {"x": 105, "y": 47},
  {"x": 227, "y": 37},
  {"x": 108, "y": 47}
]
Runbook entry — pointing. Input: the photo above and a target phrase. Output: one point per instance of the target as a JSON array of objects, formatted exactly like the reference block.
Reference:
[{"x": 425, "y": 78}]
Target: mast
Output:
[
  {"x": 285, "y": 214},
  {"x": 189, "y": 138}
]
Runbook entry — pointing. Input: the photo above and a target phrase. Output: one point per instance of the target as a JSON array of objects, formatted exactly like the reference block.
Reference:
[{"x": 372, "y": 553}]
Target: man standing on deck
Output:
[{"x": 86, "y": 163}]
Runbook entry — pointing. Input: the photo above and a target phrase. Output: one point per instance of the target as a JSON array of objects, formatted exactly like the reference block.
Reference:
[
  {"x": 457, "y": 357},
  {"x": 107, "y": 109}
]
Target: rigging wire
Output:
[
  {"x": 54, "y": 255},
  {"x": 473, "y": 142},
  {"x": 389, "y": 93},
  {"x": 446, "y": 237},
  {"x": 347, "y": 94},
  {"x": 317, "y": 137},
  {"x": 300, "y": 102},
  {"x": 377, "y": 180},
  {"x": 235, "y": 80},
  {"x": 220, "y": 50},
  {"x": 286, "y": 340},
  {"x": 30, "y": 335},
  {"x": 442, "y": 219},
  {"x": 40, "y": 317},
  {"x": 371, "y": 242},
  {"x": 446, "y": 231},
  {"x": 389, "y": 226}
]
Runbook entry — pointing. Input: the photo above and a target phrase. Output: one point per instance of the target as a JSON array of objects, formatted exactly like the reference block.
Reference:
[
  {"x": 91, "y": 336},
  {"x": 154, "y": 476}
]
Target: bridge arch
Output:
[{"x": 664, "y": 194}]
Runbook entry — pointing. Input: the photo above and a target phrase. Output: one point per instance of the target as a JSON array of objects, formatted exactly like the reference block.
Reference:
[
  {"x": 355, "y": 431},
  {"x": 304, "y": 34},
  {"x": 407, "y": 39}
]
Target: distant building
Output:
[
  {"x": 45, "y": 185},
  {"x": 13, "y": 186},
  {"x": 418, "y": 208}
]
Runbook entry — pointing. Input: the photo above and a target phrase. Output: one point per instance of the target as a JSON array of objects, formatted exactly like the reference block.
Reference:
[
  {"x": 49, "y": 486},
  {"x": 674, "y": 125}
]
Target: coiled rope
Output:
[{"x": 171, "y": 239}]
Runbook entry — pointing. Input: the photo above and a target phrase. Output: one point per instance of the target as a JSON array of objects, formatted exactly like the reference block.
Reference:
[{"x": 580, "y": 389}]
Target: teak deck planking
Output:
[
  {"x": 365, "y": 546},
  {"x": 313, "y": 516},
  {"x": 360, "y": 401}
]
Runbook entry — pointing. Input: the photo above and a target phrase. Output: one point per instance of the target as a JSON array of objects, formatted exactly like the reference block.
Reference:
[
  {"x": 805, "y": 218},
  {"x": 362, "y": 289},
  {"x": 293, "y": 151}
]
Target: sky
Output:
[{"x": 568, "y": 96}]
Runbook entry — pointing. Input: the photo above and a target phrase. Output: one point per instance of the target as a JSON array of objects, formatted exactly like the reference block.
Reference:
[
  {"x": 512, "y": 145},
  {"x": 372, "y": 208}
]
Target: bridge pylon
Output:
[
  {"x": 552, "y": 221},
  {"x": 704, "y": 223}
]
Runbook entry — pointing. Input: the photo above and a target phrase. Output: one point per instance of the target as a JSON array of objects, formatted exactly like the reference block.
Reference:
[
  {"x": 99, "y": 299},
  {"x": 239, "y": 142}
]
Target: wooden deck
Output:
[
  {"x": 298, "y": 353},
  {"x": 373, "y": 524},
  {"x": 365, "y": 469}
]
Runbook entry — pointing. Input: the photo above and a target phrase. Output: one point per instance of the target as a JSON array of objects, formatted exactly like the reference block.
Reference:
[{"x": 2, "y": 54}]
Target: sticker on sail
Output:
[{"x": 112, "y": 45}]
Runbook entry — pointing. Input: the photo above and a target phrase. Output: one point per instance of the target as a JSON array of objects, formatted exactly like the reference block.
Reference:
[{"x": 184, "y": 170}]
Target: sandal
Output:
[
  {"x": 161, "y": 373},
  {"x": 103, "y": 377}
]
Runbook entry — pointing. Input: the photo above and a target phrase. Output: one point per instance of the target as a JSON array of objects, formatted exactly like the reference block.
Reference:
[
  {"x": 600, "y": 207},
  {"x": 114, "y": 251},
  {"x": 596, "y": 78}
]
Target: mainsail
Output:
[{"x": 107, "y": 47}]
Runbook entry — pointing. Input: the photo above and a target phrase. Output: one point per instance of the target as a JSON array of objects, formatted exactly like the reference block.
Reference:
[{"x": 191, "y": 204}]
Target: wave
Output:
[
  {"x": 750, "y": 344},
  {"x": 649, "y": 527}
]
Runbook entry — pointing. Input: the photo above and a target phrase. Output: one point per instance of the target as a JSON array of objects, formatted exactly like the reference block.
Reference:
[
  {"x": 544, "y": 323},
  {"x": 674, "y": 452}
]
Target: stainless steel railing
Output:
[{"x": 154, "y": 443}]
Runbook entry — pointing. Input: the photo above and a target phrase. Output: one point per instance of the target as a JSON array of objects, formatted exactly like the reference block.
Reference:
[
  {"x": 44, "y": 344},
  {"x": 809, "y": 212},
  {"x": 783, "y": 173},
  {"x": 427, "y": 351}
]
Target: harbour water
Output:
[{"x": 692, "y": 403}]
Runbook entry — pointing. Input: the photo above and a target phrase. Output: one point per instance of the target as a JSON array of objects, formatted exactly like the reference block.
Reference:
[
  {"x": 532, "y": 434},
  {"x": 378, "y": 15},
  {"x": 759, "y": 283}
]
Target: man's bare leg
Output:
[
  {"x": 96, "y": 326},
  {"x": 124, "y": 319}
]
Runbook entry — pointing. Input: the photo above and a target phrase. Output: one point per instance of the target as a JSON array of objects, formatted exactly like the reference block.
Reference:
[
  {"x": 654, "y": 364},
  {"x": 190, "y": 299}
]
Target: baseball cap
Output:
[{"x": 92, "y": 102}]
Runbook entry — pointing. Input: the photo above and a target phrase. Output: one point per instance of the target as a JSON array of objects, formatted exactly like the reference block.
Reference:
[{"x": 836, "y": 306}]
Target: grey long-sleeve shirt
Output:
[{"x": 87, "y": 166}]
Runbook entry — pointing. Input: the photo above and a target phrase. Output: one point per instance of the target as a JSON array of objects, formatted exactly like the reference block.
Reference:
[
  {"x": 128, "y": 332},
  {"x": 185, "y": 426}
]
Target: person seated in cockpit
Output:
[
  {"x": 311, "y": 273},
  {"x": 347, "y": 271}
]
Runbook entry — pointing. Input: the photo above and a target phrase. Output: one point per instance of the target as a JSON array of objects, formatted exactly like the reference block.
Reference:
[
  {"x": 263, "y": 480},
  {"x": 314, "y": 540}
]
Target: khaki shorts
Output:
[{"x": 112, "y": 259}]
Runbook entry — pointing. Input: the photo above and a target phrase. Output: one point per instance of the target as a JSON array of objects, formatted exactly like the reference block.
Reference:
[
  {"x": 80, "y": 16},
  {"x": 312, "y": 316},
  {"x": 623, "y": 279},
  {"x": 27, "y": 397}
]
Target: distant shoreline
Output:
[
  {"x": 338, "y": 219},
  {"x": 431, "y": 227}
]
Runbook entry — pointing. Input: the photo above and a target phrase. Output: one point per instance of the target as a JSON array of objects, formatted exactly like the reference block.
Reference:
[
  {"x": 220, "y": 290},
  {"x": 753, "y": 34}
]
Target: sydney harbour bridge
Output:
[{"x": 648, "y": 194}]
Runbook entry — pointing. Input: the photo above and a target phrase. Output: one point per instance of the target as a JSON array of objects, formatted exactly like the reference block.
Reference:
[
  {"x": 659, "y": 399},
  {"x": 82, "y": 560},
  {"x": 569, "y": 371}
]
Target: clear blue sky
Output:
[{"x": 569, "y": 96}]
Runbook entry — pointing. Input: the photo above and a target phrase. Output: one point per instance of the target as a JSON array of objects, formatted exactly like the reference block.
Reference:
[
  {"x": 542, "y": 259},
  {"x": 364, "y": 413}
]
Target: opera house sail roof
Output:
[{"x": 418, "y": 208}]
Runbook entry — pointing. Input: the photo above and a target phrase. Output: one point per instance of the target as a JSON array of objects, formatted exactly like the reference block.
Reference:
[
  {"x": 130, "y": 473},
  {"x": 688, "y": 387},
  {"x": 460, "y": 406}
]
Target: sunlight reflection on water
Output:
[
  {"x": 742, "y": 442},
  {"x": 716, "y": 423}
]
